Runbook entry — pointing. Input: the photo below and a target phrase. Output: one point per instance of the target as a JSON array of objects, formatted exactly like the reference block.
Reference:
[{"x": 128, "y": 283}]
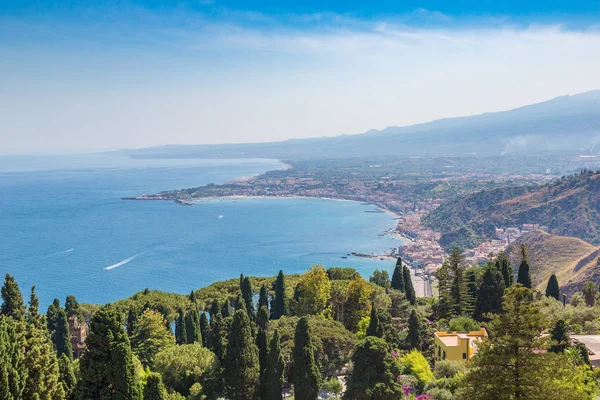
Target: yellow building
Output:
[{"x": 457, "y": 346}]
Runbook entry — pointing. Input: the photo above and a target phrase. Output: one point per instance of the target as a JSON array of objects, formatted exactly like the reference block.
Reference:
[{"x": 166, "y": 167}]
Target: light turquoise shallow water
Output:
[{"x": 62, "y": 223}]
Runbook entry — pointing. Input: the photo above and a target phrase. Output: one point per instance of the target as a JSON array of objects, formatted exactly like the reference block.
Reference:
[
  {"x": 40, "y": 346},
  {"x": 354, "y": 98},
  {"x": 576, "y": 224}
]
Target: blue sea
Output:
[{"x": 62, "y": 223}]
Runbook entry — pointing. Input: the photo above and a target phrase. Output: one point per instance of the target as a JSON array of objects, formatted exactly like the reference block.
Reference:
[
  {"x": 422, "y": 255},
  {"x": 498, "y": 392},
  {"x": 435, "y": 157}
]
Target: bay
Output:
[{"x": 65, "y": 229}]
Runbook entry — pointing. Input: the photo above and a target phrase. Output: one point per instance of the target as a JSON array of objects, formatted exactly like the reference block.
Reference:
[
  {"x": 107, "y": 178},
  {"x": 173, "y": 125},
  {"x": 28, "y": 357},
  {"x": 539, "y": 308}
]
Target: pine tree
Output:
[
  {"x": 415, "y": 330},
  {"x": 180, "y": 325},
  {"x": 552, "y": 289},
  {"x": 275, "y": 366},
  {"x": 204, "y": 329},
  {"x": 444, "y": 298},
  {"x": 524, "y": 277},
  {"x": 472, "y": 286},
  {"x": 263, "y": 297},
  {"x": 241, "y": 365},
  {"x": 247, "y": 295},
  {"x": 374, "y": 328},
  {"x": 192, "y": 327},
  {"x": 67, "y": 376},
  {"x": 306, "y": 377},
  {"x": 462, "y": 302},
  {"x": 62, "y": 337},
  {"x": 398, "y": 276},
  {"x": 489, "y": 299},
  {"x": 279, "y": 307},
  {"x": 107, "y": 370},
  {"x": 12, "y": 300},
  {"x": 375, "y": 372},
  {"x": 154, "y": 389},
  {"x": 408, "y": 286},
  {"x": 51, "y": 315},
  {"x": 150, "y": 337}
]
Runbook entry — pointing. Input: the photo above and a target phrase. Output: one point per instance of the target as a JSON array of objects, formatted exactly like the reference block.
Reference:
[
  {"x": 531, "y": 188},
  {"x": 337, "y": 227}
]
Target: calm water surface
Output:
[{"x": 62, "y": 223}]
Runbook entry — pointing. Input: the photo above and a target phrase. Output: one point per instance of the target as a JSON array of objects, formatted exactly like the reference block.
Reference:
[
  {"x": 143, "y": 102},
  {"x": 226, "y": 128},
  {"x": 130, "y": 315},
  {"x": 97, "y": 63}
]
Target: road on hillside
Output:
[{"x": 422, "y": 286}]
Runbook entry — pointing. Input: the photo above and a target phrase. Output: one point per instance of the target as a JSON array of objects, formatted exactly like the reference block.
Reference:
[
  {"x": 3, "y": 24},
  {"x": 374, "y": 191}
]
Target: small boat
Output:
[{"x": 220, "y": 216}]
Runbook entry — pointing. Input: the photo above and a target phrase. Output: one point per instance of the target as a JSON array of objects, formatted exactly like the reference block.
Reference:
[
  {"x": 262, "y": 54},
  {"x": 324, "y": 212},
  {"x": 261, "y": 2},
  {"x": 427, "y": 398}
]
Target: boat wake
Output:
[
  {"x": 123, "y": 262},
  {"x": 66, "y": 251}
]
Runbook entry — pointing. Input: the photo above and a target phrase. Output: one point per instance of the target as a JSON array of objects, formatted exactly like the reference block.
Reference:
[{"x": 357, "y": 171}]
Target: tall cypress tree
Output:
[
  {"x": 192, "y": 327},
  {"x": 553, "y": 290},
  {"x": 398, "y": 276},
  {"x": 263, "y": 297},
  {"x": 279, "y": 307},
  {"x": 107, "y": 370},
  {"x": 263, "y": 353},
  {"x": 193, "y": 298},
  {"x": 505, "y": 268},
  {"x": 275, "y": 366},
  {"x": 226, "y": 309},
  {"x": 12, "y": 299},
  {"x": 408, "y": 286},
  {"x": 306, "y": 377},
  {"x": 51, "y": 315},
  {"x": 67, "y": 376},
  {"x": 241, "y": 362},
  {"x": 247, "y": 295},
  {"x": 71, "y": 306},
  {"x": 155, "y": 389},
  {"x": 489, "y": 299},
  {"x": 131, "y": 319},
  {"x": 204, "y": 329},
  {"x": 524, "y": 277},
  {"x": 62, "y": 337},
  {"x": 415, "y": 329},
  {"x": 215, "y": 309},
  {"x": 180, "y": 328},
  {"x": 374, "y": 328}
]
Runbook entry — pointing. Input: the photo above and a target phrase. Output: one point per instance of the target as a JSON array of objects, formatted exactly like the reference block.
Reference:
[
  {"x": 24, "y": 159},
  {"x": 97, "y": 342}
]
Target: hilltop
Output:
[
  {"x": 572, "y": 260},
  {"x": 569, "y": 206},
  {"x": 566, "y": 124}
]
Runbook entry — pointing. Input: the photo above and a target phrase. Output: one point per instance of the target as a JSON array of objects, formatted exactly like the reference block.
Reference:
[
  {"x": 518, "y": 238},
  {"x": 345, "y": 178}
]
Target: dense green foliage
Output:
[
  {"x": 275, "y": 369},
  {"x": 241, "y": 365},
  {"x": 306, "y": 376}
]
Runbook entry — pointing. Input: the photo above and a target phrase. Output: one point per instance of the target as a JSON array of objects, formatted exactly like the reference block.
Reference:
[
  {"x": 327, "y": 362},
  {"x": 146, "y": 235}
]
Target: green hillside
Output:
[{"x": 569, "y": 206}]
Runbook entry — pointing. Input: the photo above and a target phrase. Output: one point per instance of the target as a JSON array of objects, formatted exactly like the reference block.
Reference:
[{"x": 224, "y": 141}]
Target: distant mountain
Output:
[
  {"x": 572, "y": 260},
  {"x": 569, "y": 206},
  {"x": 567, "y": 124}
]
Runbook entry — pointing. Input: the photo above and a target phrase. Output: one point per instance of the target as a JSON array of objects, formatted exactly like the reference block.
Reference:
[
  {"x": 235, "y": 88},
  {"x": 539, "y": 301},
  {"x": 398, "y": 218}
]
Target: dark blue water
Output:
[{"x": 62, "y": 223}]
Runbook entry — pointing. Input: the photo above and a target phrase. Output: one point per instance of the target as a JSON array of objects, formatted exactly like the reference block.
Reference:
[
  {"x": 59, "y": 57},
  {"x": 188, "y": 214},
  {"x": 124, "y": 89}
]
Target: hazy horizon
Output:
[{"x": 100, "y": 76}]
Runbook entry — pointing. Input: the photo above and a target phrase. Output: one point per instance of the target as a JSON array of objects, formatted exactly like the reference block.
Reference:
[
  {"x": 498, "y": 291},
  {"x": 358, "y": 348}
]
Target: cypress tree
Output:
[
  {"x": 180, "y": 332},
  {"x": 12, "y": 300},
  {"x": 155, "y": 389},
  {"x": 279, "y": 307},
  {"x": 241, "y": 366},
  {"x": 489, "y": 299},
  {"x": 72, "y": 306},
  {"x": 262, "y": 319},
  {"x": 62, "y": 337},
  {"x": 66, "y": 376},
  {"x": 51, "y": 315},
  {"x": 215, "y": 309},
  {"x": 204, "y": 329},
  {"x": 217, "y": 337},
  {"x": 107, "y": 370},
  {"x": 306, "y": 377},
  {"x": 408, "y": 286},
  {"x": 247, "y": 295},
  {"x": 414, "y": 331},
  {"x": 263, "y": 297},
  {"x": 193, "y": 298},
  {"x": 524, "y": 277},
  {"x": 192, "y": 327},
  {"x": 226, "y": 309},
  {"x": 374, "y": 328},
  {"x": 131, "y": 319},
  {"x": 239, "y": 304},
  {"x": 33, "y": 312},
  {"x": 275, "y": 366},
  {"x": 13, "y": 370},
  {"x": 398, "y": 276},
  {"x": 552, "y": 289},
  {"x": 505, "y": 268},
  {"x": 263, "y": 353}
]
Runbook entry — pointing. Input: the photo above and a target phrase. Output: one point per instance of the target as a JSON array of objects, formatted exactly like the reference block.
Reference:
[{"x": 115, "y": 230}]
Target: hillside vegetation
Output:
[
  {"x": 569, "y": 206},
  {"x": 572, "y": 260}
]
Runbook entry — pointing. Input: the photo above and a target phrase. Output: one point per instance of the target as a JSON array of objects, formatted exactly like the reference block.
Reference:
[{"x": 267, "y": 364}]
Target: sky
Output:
[{"x": 101, "y": 75}]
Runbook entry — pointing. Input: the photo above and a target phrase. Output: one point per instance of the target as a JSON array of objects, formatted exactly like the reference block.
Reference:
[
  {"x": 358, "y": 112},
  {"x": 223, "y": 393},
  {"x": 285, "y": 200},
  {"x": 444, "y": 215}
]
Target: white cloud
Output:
[{"x": 207, "y": 82}]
